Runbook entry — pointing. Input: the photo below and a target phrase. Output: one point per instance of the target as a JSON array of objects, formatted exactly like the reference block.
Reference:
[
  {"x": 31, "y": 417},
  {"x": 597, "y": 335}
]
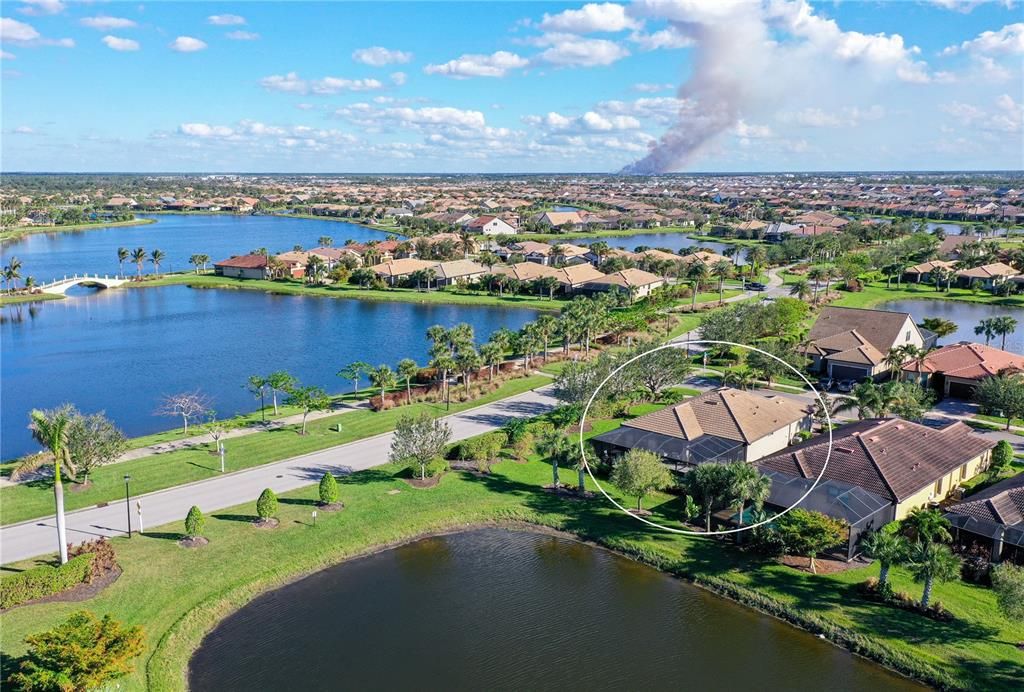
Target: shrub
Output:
[
  {"x": 195, "y": 523},
  {"x": 434, "y": 467},
  {"x": 81, "y": 653},
  {"x": 103, "y": 557},
  {"x": 328, "y": 489},
  {"x": 45, "y": 580},
  {"x": 266, "y": 505}
]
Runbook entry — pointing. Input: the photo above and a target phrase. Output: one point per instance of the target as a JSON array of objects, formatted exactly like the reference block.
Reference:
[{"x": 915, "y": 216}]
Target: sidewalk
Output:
[{"x": 39, "y": 536}]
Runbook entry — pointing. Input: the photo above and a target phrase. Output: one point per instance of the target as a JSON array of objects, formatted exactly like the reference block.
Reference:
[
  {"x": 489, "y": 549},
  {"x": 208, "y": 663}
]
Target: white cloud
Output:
[
  {"x": 570, "y": 50},
  {"x": 378, "y": 56},
  {"x": 668, "y": 38},
  {"x": 120, "y": 44},
  {"x": 1008, "y": 115},
  {"x": 649, "y": 88},
  {"x": 590, "y": 121},
  {"x": 106, "y": 23},
  {"x": 4, "y": 55},
  {"x": 22, "y": 34},
  {"x": 398, "y": 78},
  {"x": 1006, "y": 41},
  {"x": 660, "y": 109},
  {"x": 41, "y": 7},
  {"x": 187, "y": 44},
  {"x": 431, "y": 115},
  {"x": 305, "y": 106},
  {"x": 847, "y": 117},
  {"x": 606, "y": 17},
  {"x": 225, "y": 20},
  {"x": 748, "y": 131},
  {"x": 25, "y": 130},
  {"x": 494, "y": 65},
  {"x": 242, "y": 35},
  {"x": 292, "y": 83},
  {"x": 204, "y": 130}
]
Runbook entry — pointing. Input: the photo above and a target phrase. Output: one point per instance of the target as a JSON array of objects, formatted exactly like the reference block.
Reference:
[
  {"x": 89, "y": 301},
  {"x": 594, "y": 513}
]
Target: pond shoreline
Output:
[
  {"x": 24, "y": 232},
  {"x": 184, "y": 637}
]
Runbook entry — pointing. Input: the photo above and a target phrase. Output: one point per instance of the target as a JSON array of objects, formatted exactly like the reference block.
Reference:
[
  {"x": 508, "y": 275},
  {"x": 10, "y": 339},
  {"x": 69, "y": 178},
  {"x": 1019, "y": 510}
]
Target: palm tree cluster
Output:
[
  {"x": 919, "y": 543},
  {"x": 872, "y": 400},
  {"x": 1001, "y": 326}
]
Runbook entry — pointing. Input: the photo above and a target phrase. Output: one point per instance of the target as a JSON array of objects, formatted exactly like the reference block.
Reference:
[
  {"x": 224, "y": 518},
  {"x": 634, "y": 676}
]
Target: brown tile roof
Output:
[
  {"x": 576, "y": 274},
  {"x": 402, "y": 267},
  {"x": 457, "y": 268},
  {"x": 1002, "y": 503},
  {"x": 928, "y": 267},
  {"x": 244, "y": 262},
  {"x": 627, "y": 278},
  {"x": 988, "y": 271},
  {"x": 526, "y": 271},
  {"x": 880, "y": 328},
  {"x": 967, "y": 360},
  {"x": 728, "y": 413},
  {"x": 890, "y": 457}
]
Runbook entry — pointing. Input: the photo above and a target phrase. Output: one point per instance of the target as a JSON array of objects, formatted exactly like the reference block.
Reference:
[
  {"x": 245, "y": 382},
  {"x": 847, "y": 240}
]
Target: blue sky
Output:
[{"x": 720, "y": 85}]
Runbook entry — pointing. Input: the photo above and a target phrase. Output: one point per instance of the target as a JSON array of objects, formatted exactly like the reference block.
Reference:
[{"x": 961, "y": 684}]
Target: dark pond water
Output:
[
  {"x": 504, "y": 610},
  {"x": 48, "y": 256},
  {"x": 121, "y": 350},
  {"x": 674, "y": 242},
  {"x": 966, "y": 316}
]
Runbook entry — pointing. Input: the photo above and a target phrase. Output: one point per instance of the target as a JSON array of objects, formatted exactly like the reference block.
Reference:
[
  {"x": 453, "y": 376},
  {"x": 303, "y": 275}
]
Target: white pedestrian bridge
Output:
[{"x": 60, "y": 286}]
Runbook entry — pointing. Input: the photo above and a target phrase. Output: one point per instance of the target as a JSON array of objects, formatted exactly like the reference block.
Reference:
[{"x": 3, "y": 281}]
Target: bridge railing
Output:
[{"x": 77, "y": 277}]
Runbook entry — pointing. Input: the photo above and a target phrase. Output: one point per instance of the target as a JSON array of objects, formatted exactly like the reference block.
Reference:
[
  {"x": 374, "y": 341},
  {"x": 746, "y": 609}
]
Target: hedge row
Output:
[{"x": 44, "y": 580}]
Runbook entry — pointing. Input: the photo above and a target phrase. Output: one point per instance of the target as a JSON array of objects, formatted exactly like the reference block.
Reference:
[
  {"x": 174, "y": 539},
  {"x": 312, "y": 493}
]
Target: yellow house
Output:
[{"x": 908, "y": 464}]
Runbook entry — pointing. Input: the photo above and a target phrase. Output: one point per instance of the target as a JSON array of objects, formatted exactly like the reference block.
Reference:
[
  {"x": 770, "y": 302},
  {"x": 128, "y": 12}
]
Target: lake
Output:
[
  {"x": 504, "y": 610},
  {"x": 48, "y": 256},
  {"x": 674, "y": 242},
  {"x": 120, "y": 350},
  {"x": 965, "y": 315}
]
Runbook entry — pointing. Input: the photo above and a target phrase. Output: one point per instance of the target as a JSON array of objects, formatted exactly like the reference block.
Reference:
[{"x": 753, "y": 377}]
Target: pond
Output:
[
  {"x": 120, "y": 350},
  {"x": 965, "y": 315},
  {"x": 674, "y": 242},
  {"x": 48, "y": 256},
  {"x": 504, "y": 610}
]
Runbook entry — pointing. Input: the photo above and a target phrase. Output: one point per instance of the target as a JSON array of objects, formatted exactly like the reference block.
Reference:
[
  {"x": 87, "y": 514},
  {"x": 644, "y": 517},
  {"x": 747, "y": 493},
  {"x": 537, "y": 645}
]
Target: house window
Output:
[
  {"x": 938, "y": 487},
  {"x": 907, "y": 337}
]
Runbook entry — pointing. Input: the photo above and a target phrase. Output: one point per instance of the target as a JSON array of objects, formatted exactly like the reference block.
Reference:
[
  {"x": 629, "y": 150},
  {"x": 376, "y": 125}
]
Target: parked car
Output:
[
  {"x": 826, "y": 383},
  {"x": 754, "y": 286},
  {"x": 846, "y": 386}
]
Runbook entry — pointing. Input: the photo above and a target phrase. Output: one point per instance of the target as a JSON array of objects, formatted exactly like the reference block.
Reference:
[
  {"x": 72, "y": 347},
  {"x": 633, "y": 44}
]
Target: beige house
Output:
[
  {"x": 906, "y": 464},
  {"x": 722, "y": 425},
  {"x": 852, "y": 343},
  {"x": 636, "y": 282}
]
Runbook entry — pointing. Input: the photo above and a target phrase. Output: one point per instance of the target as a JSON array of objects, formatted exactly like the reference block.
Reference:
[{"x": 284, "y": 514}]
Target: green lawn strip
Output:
[
  {"x": 604, "y": 233},
  {"x": 34, "y": 499},
  {"x": 876, "y": 293},
  {"x": 19, "y": 298},
  {"x": 1017, "y": 422},
  {"x": 983, "y": 480},
  {"x": 16, "y": 234},
  {"x": 404, "y": 295},
  {"x": 178, "y": 595}
]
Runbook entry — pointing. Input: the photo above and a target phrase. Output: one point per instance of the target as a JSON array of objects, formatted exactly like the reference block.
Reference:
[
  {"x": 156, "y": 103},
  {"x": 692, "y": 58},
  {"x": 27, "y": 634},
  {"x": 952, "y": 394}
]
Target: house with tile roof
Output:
[
  {"x": 636, "y": 282},
  {"x": 990, "y": 275},
  {"x": 721, "y": 425},
  {"x": 923, "y": 272},
  {"x": 489, "y": 225},
  {"x": 992, "y": 518},
  {"x": 907, "y": 464},
  {"x": 244, "y": 267},
  {"x": 955, "y": 370},
  {"x": 853, "y": 343}
]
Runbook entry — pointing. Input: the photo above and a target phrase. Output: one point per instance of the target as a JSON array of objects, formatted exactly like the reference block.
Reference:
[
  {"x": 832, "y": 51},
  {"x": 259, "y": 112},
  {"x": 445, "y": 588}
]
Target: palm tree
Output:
[
  {"x": 444, "y": 363},
  {"x": 195, "y": 261},
  {"x": 122, "y": 257},
  {"x": 927, "y": 526},
  {"x": 546, "y": 327},
  {"x": 156, "y": 257},
  {"x": 30, "y": 283},
  {"x": 929, "y": 562},
  {"x": 50, "y": 429},
  {"x": 722, "y": 270},
  {"x": 139, "y": 258},
  {"x": 986, "y": 328},
  {"x": 742, "y": 378},
  {"x": 867, "y": 398},
  {"x": 407, "y": 369},
  {"x": 468, "y": 362},
  {"x": 698, "y": 273},
  {"x": 488, "y": 259},
  {"x": 12, "y": 272},
  {"x": 492, "y": 354},
  {"x": 747, "y": 484},
  {"x": 886, "y": 547},
  {"x": 817, "y": 275},
  {"x": 382, "y": 377},
  {"x": 354, "y": 372},
  {"x": 1003, "y": 325},
  {"x": 941, "y": 327},
  {"x": 325, "y": 241},
  {"x": 553, "y": 445},
  {"x": 429, "y": 275},
  {"x": 801, "y": 289}
]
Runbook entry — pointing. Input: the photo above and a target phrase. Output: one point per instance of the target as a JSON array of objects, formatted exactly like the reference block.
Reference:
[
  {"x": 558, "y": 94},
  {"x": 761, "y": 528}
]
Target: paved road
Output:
[{"x": 39, "y": 536}]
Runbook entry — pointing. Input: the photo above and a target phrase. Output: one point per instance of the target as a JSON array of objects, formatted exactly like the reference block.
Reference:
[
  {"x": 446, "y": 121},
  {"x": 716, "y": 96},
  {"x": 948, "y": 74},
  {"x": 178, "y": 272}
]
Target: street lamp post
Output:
[
  {"x": 220, "y": 445},
  {"x": 127, "y": 504}
]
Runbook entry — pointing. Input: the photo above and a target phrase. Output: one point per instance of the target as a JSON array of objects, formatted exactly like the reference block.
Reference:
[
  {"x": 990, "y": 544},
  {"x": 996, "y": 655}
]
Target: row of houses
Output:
[
  {"x": 870, "y": 473},
  {"x": 989, "y": 276}
]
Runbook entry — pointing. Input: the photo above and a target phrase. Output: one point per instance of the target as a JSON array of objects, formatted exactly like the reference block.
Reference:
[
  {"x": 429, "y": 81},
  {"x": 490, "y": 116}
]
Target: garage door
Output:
[
  {"x": 848, "y": 372},
  {"x": 959, "y": 390}
]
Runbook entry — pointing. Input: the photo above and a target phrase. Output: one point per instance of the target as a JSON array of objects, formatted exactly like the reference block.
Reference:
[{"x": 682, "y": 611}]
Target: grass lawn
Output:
[
  {"x": 605, "y": 233},
  {"x": 982, "y": 480},
  {"x": 28, "y": 298},
  {"x": 404, "y": 295},
  {"x": 1000, "y": 421},
  {"x": 876, "y": 293},
  {"x": 16, "y": 233},
  {"x": 177, "y": 595},
  {"x": 35, "y": 498}
]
